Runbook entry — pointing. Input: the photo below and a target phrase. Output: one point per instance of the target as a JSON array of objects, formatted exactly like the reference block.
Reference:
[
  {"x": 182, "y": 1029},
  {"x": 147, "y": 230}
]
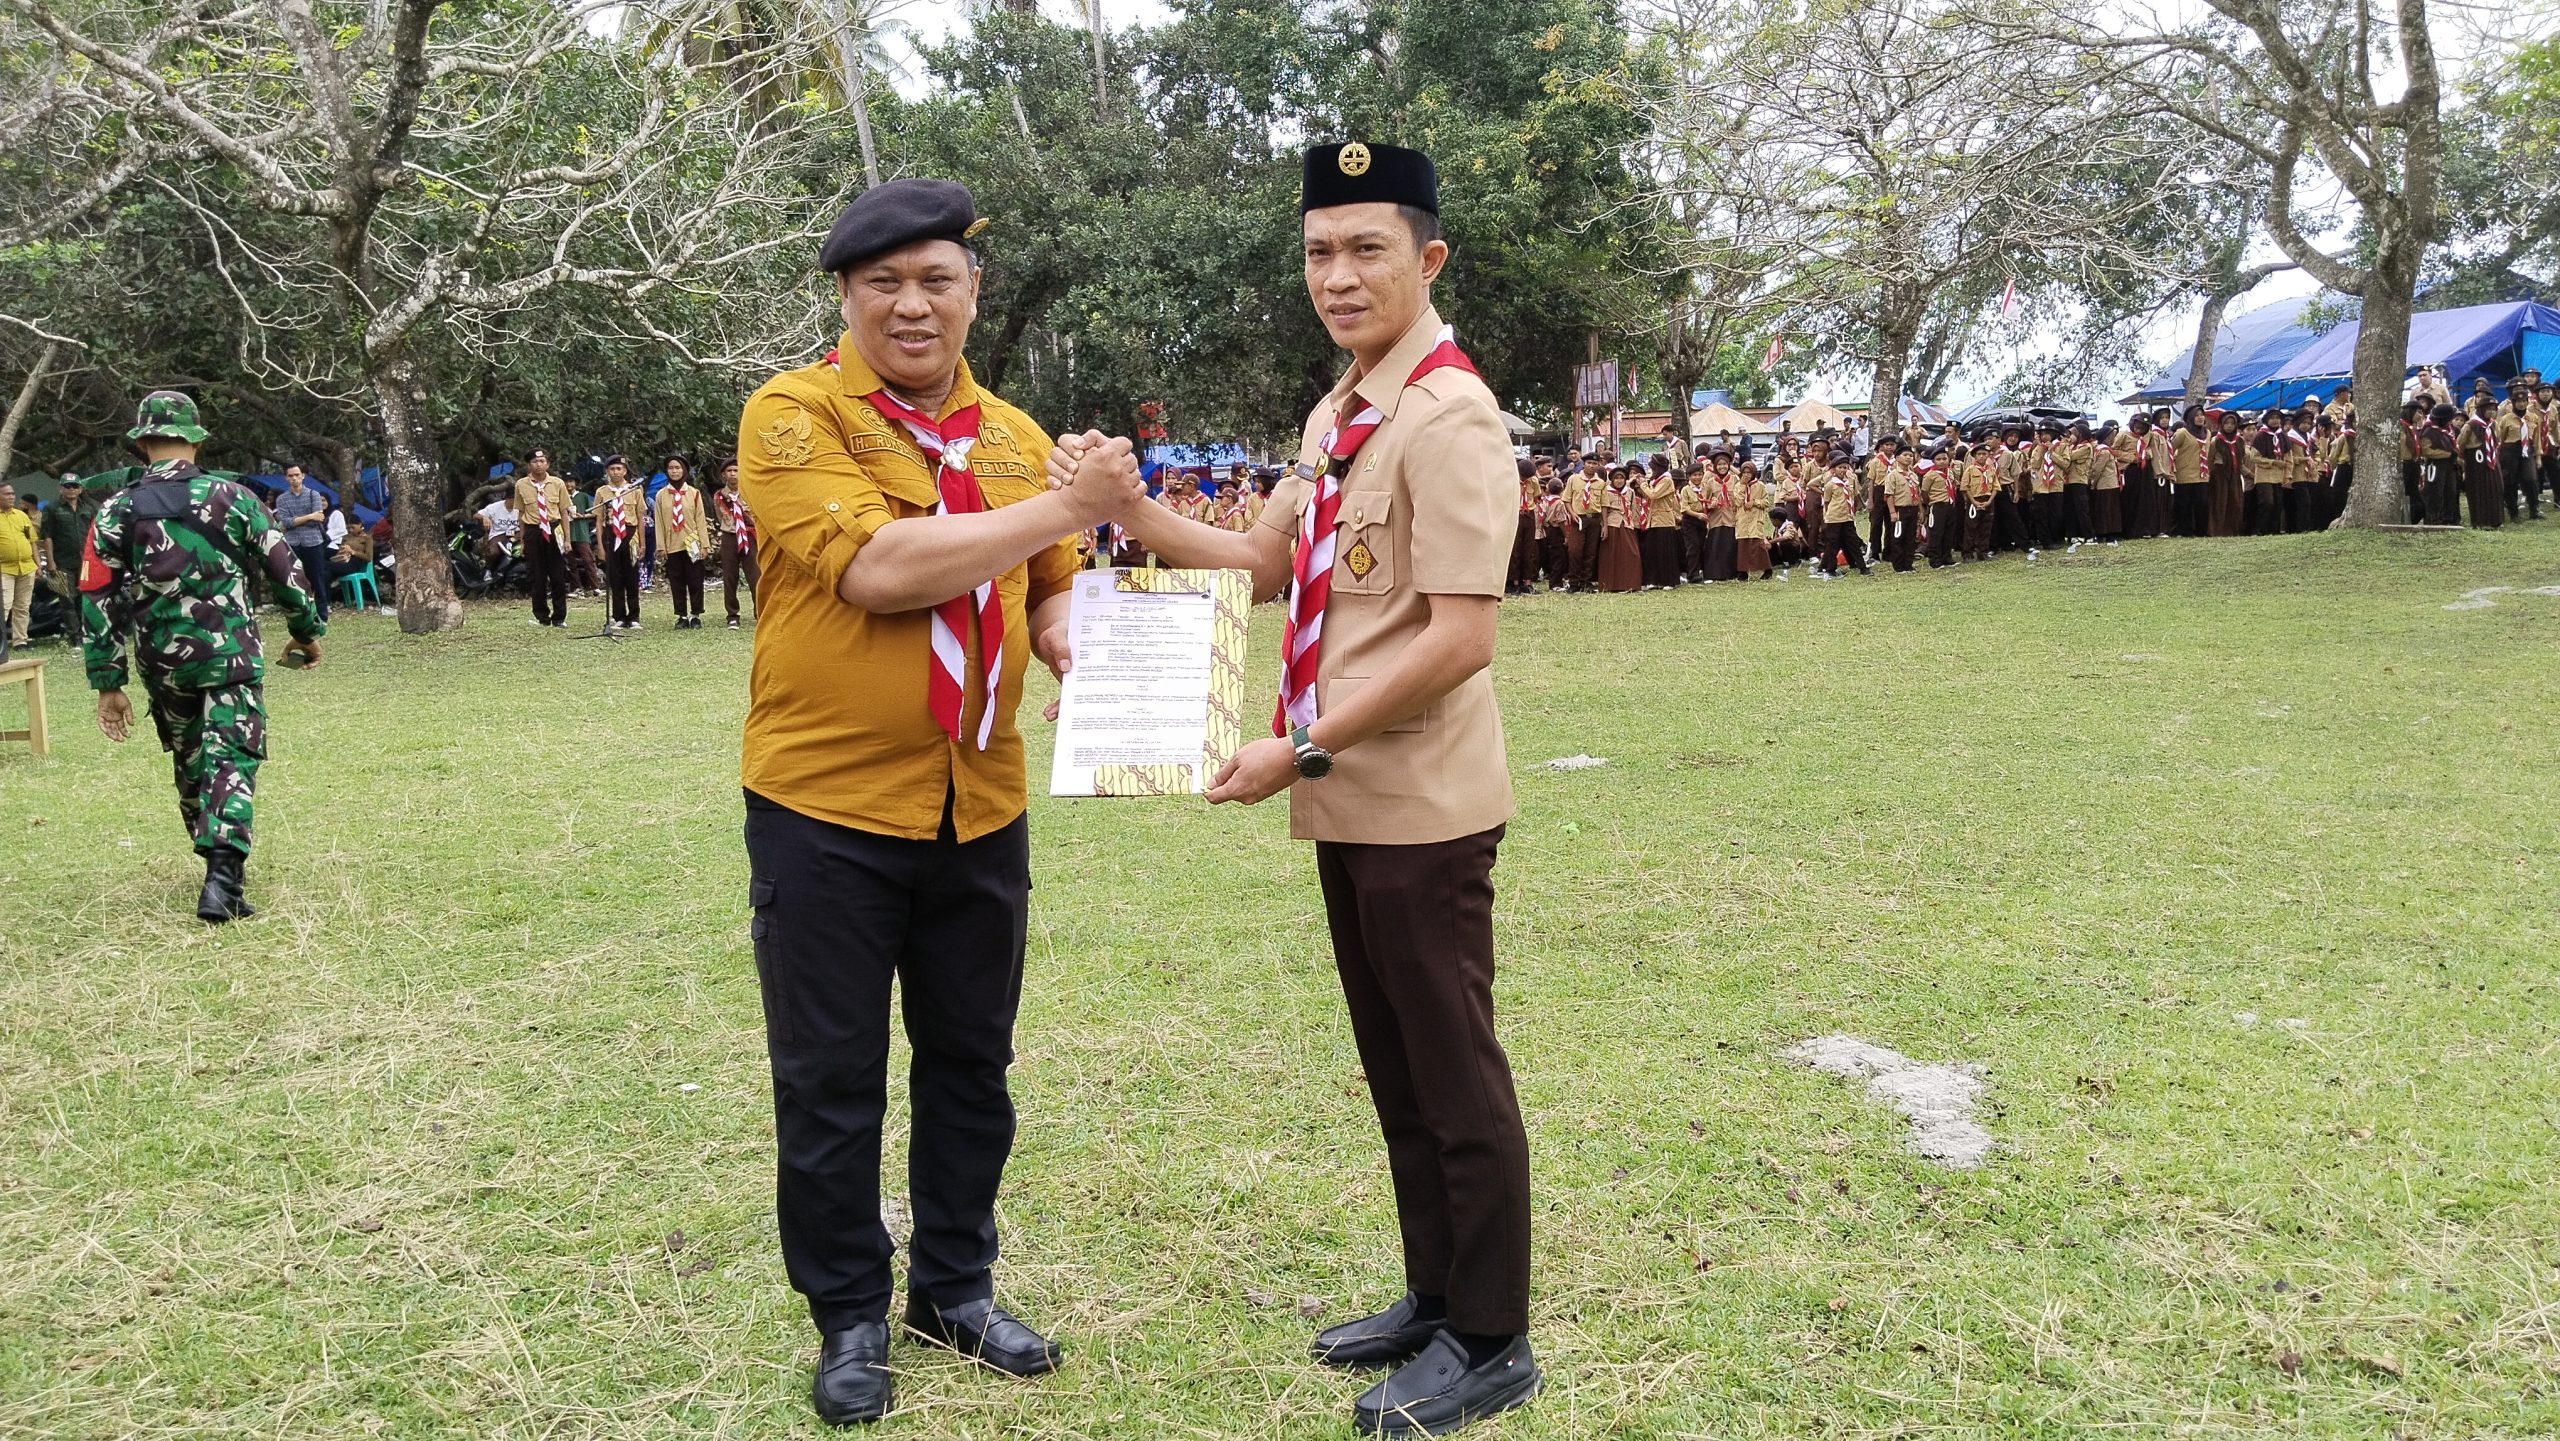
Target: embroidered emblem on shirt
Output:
[
  {"x": 1361, "y": 560},
  {"x": 787, "y": 439}
]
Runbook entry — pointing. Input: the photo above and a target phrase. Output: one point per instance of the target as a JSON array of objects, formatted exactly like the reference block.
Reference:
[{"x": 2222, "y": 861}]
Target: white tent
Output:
[
  {"x": 1704, "y": 424},
  {"x": 1813, "y": 415}
]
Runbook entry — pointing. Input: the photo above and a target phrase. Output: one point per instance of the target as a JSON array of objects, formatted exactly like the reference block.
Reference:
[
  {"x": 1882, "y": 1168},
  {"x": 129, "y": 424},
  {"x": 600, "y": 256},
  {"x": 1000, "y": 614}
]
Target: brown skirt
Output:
[
  {"x": 2226, "y": 511},
  {"x": 1750, "y": 555},
  {"x": 1621, "y": 560}
]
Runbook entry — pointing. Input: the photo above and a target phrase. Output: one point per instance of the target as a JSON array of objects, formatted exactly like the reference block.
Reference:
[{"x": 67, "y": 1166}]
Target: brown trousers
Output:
[
  {"x": 733, "y": 567},
  {"x": 1413, "y": 941}
]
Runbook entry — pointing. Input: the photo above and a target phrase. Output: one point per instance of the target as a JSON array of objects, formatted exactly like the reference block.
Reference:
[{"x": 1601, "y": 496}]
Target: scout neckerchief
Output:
[
  {"x": 1311, "y": 564},
  {"x": 542, "y": 509},
  {"x": 618, "y": 514},
  {"x": 740, "y": 523},
  {"x": 1639, "y": 504},
  {"x": 949, "y": 441}
]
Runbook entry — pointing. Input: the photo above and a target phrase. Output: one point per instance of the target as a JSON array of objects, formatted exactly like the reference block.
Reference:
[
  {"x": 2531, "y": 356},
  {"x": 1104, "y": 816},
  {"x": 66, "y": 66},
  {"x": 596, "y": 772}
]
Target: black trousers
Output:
[
  {"x": 2522, "y": 486},
  {"x": 1586, "y": 574},
  {"x": 546, "y": 575},
  {"x": 1693, "y": 551},
  {"x": 1659, "y": 545},
  {"x": 315, "y": 572},
  {"x": 1903, "y": 536},
  {"x": 1841, "y": 538},
  {"x": 2187, "y": 506},
  {"x": 2076, "y": 517},
  {"x": 684, "y": 582},
  {"x": 622, "y": 581},
  {"x": 1413, "y": 941},
  {"x": 1945, "y": 532},
  {"x": 2046, "y": 508},
  {"x": 2302, "y": 507},
  {"x": 838, "y": 912}
]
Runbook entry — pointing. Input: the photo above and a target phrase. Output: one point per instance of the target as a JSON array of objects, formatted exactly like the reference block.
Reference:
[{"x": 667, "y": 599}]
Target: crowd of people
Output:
[{"x": 1590, "y": 522}]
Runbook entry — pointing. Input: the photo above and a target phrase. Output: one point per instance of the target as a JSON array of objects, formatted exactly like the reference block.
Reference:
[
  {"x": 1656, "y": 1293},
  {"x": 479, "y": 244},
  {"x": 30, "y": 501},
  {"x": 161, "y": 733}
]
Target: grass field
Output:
[{"x": 2236, "y": 865}]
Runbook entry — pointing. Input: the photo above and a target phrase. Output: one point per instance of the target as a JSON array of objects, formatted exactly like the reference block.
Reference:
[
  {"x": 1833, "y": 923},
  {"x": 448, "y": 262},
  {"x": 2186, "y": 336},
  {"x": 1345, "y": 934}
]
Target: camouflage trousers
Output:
[{"x": 215, "y": 738}]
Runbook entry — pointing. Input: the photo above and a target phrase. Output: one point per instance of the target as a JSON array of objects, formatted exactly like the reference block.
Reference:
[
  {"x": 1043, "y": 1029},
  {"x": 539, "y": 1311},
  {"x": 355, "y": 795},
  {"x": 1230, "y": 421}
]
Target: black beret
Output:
[
  {"x": 1353, "y": 173},
  {"x": 899, "y": 212}
]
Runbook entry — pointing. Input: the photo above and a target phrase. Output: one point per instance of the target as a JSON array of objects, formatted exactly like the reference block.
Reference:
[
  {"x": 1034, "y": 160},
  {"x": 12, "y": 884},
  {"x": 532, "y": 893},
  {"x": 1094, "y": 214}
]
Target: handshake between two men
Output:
[{"x": 1099, "y": 474}]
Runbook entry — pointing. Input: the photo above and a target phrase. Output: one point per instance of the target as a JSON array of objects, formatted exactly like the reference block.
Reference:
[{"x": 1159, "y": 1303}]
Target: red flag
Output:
[
  {"x": 1777, "y": 350},
  {"x": 2007, "y": 296}
]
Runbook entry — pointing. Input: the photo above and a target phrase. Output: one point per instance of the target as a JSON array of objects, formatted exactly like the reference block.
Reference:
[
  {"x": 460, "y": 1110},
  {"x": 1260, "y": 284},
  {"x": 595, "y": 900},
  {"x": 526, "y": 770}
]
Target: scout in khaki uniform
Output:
[
  {"x": 1659, "y": 538},
  {"x": 1902, "y": 499},
  {"x": 2188, "y": 492},
  {"x": 1586, "y": 498},
  {"x": 1981, "y": 499},
  {"x": 1398, "y": 528},
  {"x": 737, "y": 526},
  {"x": 542, "y": 500},
  {"x": 621, "y": 522},
  {"x": 684, "y": 539},
  {"x": 1752, "y": 499},
  {"x": 1840, "y": 520},
  {"x": 911, "y": 551}
]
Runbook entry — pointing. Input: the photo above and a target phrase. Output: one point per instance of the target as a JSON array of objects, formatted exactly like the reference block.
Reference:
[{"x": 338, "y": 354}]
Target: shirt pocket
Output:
[{"x": 1365, "y": 561}]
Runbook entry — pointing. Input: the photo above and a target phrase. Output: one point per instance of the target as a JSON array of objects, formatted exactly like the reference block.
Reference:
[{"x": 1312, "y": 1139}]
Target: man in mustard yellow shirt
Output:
[
  {"x": 17, "y": 570},
  {"x": 910, "y": 548}
]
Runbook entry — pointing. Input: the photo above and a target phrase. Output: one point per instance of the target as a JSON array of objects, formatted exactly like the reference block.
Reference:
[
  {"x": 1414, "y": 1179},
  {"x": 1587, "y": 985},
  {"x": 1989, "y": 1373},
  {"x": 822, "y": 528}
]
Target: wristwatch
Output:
[{"x": 1314, "y": 761}]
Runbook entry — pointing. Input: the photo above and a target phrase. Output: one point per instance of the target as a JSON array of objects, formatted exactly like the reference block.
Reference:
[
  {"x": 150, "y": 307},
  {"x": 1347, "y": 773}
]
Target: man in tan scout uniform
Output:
[
  {"x": 911, "y": 554},
  {"x": 1397, "y": 530},
  {"x": 542, "y": 503}
]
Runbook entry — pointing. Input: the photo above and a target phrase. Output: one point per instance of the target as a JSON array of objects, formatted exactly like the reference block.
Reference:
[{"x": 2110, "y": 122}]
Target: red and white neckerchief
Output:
[
  {"x": 619, "y": 516},
  {"x": 949, "y": 441},
  {"x": 1311, "y": 563},
  {"x": 675, "y": 511},
  {"x": 542, "y": 507},
  {"x": 741, "y": 524}
]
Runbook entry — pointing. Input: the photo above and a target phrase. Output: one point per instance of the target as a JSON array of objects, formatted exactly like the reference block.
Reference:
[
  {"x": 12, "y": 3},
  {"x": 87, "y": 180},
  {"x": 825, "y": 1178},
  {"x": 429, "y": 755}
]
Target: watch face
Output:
[{"x": 1314, "y": 765}]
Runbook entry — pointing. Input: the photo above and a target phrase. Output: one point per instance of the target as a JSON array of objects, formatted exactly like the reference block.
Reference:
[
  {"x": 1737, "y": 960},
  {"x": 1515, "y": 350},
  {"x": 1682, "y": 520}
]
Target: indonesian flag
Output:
[
  {"x": 2008, "y": 295},
  {"x": 1777, "y": 351}
]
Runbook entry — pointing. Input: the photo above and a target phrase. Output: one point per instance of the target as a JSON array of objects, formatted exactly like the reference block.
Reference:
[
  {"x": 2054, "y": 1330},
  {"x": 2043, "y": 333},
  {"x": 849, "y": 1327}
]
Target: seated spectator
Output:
[{"x": 354, "y": 549}]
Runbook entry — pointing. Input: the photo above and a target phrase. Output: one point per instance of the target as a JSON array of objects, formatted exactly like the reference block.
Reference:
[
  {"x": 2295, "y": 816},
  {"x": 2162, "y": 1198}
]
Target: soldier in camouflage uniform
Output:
[{"x": 169, "y": 560}]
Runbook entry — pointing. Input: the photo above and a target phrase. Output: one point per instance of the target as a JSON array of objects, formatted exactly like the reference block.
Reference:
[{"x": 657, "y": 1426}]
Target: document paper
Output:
[{"x": 1152, "y": 705}]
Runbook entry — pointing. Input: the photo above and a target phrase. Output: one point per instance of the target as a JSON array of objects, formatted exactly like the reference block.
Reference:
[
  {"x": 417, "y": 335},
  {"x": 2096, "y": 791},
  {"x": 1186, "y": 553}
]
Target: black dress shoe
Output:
[
  {"x": 1436, "y": 1393},
  {"x": 985, "y": 1332},
  {"x": 1390, "y": 1338},
  {"x": 852, "y": 1382}
]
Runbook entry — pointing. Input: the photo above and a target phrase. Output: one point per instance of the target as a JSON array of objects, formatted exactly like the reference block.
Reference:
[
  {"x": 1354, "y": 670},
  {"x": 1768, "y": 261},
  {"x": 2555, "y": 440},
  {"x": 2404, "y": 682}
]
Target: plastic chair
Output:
[{"x": 356, "y": 583}]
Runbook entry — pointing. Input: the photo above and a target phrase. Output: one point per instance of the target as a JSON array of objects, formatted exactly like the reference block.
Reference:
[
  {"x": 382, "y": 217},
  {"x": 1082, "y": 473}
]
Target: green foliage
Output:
[{"x": 1146, "y": 248}]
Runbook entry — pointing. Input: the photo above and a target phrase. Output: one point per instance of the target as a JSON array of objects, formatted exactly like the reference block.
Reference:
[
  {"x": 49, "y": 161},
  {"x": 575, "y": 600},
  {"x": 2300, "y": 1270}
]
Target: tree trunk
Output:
[
  {"x": 1093, "y": 9},
  {"x": 25, "y": 402},
  {"x": 2381, "y": 372},
  {"x": 415, "y": 475},
  {"x": 858, "y": 84},
  {"x": 2217, "y": 303},
  {"x": 1894, "y": 339}
]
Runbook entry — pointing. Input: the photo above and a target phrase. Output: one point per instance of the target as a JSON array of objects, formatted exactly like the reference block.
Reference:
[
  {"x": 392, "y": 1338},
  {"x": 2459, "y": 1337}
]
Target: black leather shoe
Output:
[
  {"x": 1390, "y": 1338},
  {"x": 1436, "y": 1393},
  {"x": 852, "y": 1382},
  {"x": 987, "y": 1333},
  {"x": 221, "y": 899}
]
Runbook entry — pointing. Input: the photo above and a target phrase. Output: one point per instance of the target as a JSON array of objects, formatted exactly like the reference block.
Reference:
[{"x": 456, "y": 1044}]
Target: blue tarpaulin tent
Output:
[
  {"x": 2542, "y": 352},
  {"x": 2472, "y": 340},
  {"x": 2249, "y": 348},
  {"x": 1191, "y": 457},
  {"x": 2287, "y": 394}
]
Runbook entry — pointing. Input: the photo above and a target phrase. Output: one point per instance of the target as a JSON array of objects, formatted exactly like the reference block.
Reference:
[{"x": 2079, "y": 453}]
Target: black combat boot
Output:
[{"x": 223, "y": 899}]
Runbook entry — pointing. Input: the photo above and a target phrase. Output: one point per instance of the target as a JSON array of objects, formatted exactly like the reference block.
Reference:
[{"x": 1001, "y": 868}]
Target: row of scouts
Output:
[
  {"x": 602, "y": 538},
  {"x": 2218, "y": 472}
]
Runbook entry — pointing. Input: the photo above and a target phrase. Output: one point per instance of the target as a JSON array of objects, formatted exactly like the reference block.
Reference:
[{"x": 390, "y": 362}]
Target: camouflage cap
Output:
[{"x": 166, "y": 415}]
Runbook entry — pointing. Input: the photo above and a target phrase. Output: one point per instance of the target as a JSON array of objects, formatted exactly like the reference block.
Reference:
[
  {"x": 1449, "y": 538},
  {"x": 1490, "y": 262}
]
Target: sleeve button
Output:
[{"x": 831, "y": 505}]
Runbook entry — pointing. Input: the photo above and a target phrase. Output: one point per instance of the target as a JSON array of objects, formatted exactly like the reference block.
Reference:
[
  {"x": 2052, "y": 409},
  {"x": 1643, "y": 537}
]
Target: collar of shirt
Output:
[
  {"x": 857, "y": 379},
  {"x": 1383, "y": 384}
]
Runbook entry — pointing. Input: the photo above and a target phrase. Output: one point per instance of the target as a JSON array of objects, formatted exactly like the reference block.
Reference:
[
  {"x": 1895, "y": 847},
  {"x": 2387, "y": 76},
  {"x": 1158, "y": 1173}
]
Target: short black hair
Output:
[
  {"x": 537, "y": 450},
  {"x": 1424, "y": 225}
]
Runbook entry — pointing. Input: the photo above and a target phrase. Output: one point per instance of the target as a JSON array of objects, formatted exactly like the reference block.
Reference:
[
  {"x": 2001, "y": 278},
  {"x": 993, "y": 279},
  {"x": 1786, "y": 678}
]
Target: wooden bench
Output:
[{"x": 27, "y": 673}]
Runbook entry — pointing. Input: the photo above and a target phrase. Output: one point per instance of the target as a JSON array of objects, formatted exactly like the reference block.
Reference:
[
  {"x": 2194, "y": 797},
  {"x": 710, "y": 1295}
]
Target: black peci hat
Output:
[
  {"x": 1354, "y": 173},
  {"x": 899, "y": 213}
]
